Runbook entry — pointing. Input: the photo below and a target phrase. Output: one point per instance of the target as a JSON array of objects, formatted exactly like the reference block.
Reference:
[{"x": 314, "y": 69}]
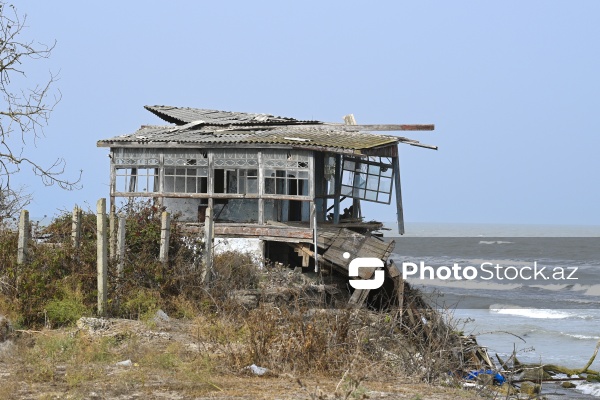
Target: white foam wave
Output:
[
  {"x": 494, "y": 242},
  {"x": 464, "y": 284},
  {"x": 502, "y": 263},
  {"x": 537, "y": 313},
  {"x": 582, "y": 337},
  {"x": 593, "y": 290},
  {"x": 592, "y": 389},
  {"x": 588, "y": 290},
  {"x": 553, "y": 287}
]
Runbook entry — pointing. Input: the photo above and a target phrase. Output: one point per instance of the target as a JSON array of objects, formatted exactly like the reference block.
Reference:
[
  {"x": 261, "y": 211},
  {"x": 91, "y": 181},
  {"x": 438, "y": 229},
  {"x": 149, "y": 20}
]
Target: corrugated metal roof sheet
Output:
[
  {"x": 184, "y": 115},
  {"x": 199, "y": 126},
  {"x": 300, "y": 136}
]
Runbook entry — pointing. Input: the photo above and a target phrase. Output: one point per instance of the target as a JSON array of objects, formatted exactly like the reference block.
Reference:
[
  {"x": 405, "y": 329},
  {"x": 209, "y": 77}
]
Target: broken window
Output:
[
  {"x": 136, "y": 170},
  {"x": 186, "y": 180},
  {"x": 368, "y": 179},
  {"x": 186, "y": 171},
  {"x": 286, "y": 172},
  {"x": 136, "y": 180},
  {"x": 236, "y": 171}
]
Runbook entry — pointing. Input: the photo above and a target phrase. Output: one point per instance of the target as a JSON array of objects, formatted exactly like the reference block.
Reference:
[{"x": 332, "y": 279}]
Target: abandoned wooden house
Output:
[{"x": 279, "y": 181}]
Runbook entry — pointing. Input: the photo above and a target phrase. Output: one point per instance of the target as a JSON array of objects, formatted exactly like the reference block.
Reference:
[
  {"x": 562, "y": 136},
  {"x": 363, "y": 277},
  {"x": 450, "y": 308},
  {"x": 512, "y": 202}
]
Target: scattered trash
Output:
[
  {"x": 498, "y": 378},
  {"x": 256, "y": 370},
  {"x": 126, "y": 363},
  {"x": 93, "y": 324}
]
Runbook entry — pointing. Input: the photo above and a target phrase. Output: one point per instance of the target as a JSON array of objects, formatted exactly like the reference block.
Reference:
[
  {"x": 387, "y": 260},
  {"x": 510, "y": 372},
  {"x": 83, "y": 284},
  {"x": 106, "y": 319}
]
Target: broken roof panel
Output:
[
  {"x": 294, "y": 136},
  {"x": 196, "y": 127},
  {"x": 184, "y": 115}
]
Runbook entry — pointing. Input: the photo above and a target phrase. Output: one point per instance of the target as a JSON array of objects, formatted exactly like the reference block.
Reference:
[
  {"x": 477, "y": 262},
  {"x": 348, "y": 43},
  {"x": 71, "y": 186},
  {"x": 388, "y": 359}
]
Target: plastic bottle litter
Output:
[
  {"x": 126, "y": 363},
  {"x": 256, "y": 370}
]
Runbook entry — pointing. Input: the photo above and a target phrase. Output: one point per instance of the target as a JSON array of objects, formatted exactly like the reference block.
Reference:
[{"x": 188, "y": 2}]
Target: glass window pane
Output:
[
  {"x": 370, "y": 195},
  {"x": 383, "y": 197},
  {"x": 385, "y": 185},
  {"x": 372, "y": 182},
  {"x": 190, "y": 185},
  {"x": 280, "y": 186},
  {"x": 252, "y": 185},
  {"x": 169, "y": 184},
  {"x": 374, "y": 170},
  {"x": 179, "y": 184},
  {"x": 270, "y": 185}
]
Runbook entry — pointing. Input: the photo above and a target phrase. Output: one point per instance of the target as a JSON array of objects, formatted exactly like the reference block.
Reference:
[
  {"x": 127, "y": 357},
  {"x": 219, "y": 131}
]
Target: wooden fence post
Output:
[
  {"x": 102, "y": 255},
  {"x": 121, "y": 245},
  {"x": 76, "y": 227},
  {"x": 23, "y": 237},
  {"x": 208, "y": 246},
  {"x": 165, "y": 233}
]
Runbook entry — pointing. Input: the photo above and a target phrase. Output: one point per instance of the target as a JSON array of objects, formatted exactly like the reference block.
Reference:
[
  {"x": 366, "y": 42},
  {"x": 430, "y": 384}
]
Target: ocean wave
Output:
[
  {"x": 581, "y": 337},
  {"x": 465, "y": 284},
  {"x": 594, "y": 290},
  {"x": 538, "y": 313},
  {"x": 588, "y": 290},
  {"x": 552, "y": 287},
  {"x": 494, "y": 242},
  {"x": 592, "y": 389}
]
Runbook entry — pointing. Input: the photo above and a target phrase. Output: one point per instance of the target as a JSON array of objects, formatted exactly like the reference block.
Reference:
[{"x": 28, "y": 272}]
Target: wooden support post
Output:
[
  {"x": 112, "y": 228},
  {"x": 398, "y": 190},
  {"x": 76, "y": 227},
  {"x": 165, "y": 233},
  {"x": 121, "y": 245},
  {"x": 102, "y": 253},
  {"x": 356, "y": 212},
  {"x": 208, "y": 243},
  {"x": 313, "y": 216},
  {"x": 261, "y": 190},
  {"x": 400, "y": 293},
  {"x": 23, "y": 237},
  {"x": 358, "y": 298},
  {"x": 338, "y": 188}
]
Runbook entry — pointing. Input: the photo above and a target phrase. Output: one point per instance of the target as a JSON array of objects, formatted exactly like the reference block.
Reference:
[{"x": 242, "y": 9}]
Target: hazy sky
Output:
[{"x": 511, "y": 86}]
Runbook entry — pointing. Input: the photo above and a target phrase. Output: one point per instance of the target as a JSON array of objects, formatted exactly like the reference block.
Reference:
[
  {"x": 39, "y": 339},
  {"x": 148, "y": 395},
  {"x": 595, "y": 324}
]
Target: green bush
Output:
[{"x": 68, "y": 309}]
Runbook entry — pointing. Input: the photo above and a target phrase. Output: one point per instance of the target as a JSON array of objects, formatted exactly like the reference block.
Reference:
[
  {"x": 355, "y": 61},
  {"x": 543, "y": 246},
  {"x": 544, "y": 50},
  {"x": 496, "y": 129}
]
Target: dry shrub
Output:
[{"x": 234, "y": 271}]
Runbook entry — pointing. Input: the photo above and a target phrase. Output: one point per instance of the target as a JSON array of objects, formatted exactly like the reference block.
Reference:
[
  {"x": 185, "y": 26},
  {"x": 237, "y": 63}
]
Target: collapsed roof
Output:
[{"x": 212, "y": 128}]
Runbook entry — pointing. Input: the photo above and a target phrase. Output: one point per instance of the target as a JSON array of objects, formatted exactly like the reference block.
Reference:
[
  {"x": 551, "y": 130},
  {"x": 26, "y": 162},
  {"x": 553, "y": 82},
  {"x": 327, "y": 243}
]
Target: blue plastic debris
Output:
[{"x": 498, "y": 378}]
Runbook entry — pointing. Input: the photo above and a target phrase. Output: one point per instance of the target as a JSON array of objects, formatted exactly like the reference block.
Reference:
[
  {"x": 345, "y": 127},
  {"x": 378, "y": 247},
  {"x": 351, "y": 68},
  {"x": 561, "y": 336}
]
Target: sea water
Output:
[{"x": 552, "y": 317}]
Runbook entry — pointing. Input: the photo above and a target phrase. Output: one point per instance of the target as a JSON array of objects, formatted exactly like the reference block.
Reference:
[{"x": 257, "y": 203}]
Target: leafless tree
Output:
[{"x": 25, "y": 110}]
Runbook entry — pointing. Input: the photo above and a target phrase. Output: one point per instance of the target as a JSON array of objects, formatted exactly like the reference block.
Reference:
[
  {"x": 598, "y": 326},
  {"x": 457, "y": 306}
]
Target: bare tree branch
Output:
[{"x": 25, "y": 111}]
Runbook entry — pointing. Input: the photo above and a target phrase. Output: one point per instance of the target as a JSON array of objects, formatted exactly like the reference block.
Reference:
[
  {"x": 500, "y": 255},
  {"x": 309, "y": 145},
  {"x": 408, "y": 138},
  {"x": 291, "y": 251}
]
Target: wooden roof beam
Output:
[{"x": 384, "y": 127}]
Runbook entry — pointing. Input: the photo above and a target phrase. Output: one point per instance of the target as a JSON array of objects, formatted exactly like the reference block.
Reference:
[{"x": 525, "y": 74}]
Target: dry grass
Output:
[{"x": 177, "y": 360}]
